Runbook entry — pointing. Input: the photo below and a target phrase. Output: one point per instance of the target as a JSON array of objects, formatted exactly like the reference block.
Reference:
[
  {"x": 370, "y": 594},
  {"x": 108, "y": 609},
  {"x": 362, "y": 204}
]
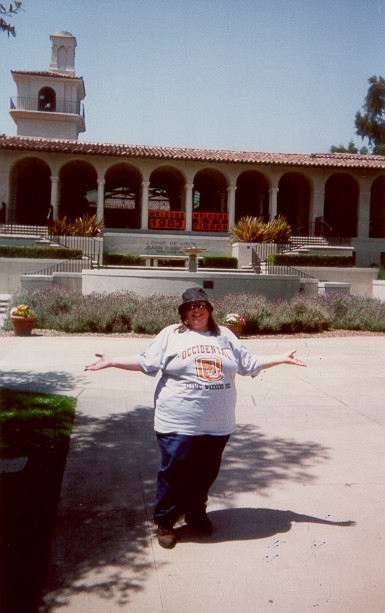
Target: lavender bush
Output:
[{"x": 122, "y": 312}]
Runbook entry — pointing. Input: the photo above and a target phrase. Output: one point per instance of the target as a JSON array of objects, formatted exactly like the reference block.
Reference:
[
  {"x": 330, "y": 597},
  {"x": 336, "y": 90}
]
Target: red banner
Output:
[
  {"x": 210, "y": 222},
  {"x": 166, "y": 220}
]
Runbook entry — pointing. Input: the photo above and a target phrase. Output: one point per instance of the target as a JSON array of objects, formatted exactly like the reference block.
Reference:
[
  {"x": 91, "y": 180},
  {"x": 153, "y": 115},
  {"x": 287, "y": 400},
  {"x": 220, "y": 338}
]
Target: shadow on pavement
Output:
[
  {"x": 102, "y": 544},
  {"x": 52, "y": 382},
  {"x": 241, "y": 524}
]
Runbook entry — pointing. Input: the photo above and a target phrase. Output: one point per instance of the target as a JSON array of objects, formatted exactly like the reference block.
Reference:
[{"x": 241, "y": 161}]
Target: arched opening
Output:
[
  {"x": 377, "y": 208},
  {"x": 210, "y": 212},
  {"x": 293, "y": 200},
  {"x": 78, "y": 190},
  {"x": 252, "y": 195},
  {"x": 341, "y": 205},
  {"x": 122, "y": 197},
  {"x": 47, "y": 99},
  {"x": 31, "y": 192},
  {"x": 165, "y": 200}
]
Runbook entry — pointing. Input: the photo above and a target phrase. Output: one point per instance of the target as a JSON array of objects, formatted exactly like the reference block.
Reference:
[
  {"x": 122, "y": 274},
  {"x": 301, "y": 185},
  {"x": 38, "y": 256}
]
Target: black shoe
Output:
[
  {"x": 200, "y": 523},
  {"x": 166, "y": 537}
]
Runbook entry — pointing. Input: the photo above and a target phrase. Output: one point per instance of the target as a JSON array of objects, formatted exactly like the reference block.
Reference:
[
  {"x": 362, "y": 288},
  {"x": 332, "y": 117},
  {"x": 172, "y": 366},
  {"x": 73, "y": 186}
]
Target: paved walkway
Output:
[{"x": 307, "y": 460}]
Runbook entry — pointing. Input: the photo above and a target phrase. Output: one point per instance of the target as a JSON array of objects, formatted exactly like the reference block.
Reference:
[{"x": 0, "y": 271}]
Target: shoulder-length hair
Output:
[{"x": 211, "y": 324}]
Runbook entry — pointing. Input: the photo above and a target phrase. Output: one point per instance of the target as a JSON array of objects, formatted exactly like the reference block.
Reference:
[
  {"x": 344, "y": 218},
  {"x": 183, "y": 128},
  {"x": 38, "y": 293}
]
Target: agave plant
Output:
[
  {"x": 277, "y": 231},
  {"x": 88, "y": 225},
  {"x": 248, "y": 230}
]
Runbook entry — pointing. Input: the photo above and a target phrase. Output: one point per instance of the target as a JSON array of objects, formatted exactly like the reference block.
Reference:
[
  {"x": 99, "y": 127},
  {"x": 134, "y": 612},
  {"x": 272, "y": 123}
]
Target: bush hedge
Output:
[
  {"x": 122, "y": 312},
  {"x": 219, "y": 261},
  {"x": 284, "y": 259},
  {"x": 39, "y": 253},
  {"x": 122, "y": 259}
]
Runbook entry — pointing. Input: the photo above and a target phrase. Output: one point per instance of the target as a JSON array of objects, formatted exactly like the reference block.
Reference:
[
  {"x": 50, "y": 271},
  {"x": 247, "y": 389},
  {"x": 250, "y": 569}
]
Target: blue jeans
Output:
[{"x": 189, "y": 466}]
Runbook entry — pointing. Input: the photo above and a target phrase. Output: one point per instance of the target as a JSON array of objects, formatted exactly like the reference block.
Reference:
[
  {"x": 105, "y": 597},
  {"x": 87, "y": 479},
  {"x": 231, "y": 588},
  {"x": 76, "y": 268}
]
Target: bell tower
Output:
[
  {"x": 49, "y": 103},
  {"x": 63, "y": 46}
]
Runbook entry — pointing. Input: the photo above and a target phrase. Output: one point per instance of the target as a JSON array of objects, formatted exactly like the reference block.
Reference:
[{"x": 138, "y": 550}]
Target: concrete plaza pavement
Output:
[{"x": 298, "y": 508}]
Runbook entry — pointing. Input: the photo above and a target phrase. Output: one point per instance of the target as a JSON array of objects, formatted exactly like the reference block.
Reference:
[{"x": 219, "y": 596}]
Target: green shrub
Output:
[
  {"x": 355, "y": 312},
  {"x": 40, "y": 253},
  {"x": 155, "y": 312},
  {"x": 218, "y": 261},
  {"x": 285, "y": 259},
  {"x": 172, "y": 263},
  {"x": 122, "y": 259}
]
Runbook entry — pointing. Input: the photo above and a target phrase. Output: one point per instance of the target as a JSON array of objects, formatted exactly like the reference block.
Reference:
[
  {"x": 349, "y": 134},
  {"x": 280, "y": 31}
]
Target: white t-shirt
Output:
[{"x": 196, "y": 393}]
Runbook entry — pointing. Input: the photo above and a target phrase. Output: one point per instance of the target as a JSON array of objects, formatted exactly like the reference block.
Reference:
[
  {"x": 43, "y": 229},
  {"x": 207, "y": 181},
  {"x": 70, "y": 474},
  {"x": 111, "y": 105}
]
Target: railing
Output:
[
  {"x": 72, "y": 265},
  {"x": 31, "y": 103},
  {"x": 24, "y": 230},
  {"x": 318, "y": 232},
  {"x": 90, "y": 246},
  {"x": 271, "y": 269}
]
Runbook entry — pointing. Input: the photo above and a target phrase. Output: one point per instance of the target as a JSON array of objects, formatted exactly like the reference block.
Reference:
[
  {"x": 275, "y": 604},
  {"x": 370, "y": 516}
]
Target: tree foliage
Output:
[
  {"x": 6, "y": 14},
  {"x": 370, "y": 123}
]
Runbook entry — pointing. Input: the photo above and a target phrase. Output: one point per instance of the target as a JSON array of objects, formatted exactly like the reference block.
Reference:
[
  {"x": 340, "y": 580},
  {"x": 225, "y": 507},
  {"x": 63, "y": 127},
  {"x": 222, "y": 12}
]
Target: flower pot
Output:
[
  {"x": 22, "y": 326},
  {"x": 235, "y": 328}
]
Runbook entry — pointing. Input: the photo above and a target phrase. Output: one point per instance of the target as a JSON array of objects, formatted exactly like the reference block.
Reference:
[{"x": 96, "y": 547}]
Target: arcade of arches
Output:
[{"x": 130, "y": 196}]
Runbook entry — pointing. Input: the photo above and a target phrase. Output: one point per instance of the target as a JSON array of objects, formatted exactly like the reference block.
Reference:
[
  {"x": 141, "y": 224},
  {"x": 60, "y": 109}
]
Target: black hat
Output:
[{"x": 194, "y": 294}]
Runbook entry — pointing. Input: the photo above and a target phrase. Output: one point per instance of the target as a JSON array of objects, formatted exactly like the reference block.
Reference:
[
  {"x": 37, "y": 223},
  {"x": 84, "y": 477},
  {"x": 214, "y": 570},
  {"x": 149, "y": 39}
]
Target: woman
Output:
[{"x": 194, "y": 406}]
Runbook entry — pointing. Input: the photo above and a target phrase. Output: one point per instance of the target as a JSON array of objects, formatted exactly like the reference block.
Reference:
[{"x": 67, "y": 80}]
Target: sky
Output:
[{"x": 284, "y": 76}]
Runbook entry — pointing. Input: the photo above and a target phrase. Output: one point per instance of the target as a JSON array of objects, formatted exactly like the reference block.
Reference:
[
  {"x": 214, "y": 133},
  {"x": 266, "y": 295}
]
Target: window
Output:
[{"x": 47, "y": 100}]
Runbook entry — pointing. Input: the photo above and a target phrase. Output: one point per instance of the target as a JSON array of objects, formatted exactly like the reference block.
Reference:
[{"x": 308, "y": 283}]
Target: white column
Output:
[
  {"x": 363, "y": 212},
  {"x": 100, "y": 204},
  {"x": 273, "y": 200},
  {"x": 231, "y": 205},
  {"x": 144, "y": 205},
  {"x": 188, "y": 204},
  {"x": 55, "y": 181},
  {"x": 317, "y": 200}
]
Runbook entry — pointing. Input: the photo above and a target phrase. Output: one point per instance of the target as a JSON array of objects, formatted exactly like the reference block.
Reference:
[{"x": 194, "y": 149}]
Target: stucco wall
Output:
[
  {"x": 379, "y": 290},
  {"x": 11, "y": 270},
  {"x": 146, "y": 282},
  {"x": 359, "y": 279},
  {"x": 168, "y": 244}
]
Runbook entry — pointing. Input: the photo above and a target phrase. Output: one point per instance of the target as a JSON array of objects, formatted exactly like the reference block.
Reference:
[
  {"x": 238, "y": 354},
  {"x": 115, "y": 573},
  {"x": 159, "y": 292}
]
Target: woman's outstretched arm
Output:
[
  {"x": 269, "y": 361},
  {"x": 127, "y": 363}
]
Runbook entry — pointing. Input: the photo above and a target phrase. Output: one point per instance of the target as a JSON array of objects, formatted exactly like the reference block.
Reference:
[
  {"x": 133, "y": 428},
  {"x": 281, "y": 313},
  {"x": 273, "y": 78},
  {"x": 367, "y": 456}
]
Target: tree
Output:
[
  {"x": 351, "y": 148},
  {"x": 371, "y": 123},
  {"x": 9, "y": 12}
]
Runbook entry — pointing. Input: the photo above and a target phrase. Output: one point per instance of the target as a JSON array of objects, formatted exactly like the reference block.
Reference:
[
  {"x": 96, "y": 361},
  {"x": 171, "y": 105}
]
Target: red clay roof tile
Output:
[{"x": 312, "y": 160}]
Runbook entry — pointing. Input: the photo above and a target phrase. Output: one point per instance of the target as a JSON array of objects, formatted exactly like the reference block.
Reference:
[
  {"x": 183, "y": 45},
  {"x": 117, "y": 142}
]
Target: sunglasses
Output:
[{"x": 196, "y": 305}]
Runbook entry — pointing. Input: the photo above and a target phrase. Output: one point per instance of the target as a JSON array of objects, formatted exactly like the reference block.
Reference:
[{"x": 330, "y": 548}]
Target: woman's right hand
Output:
[{"x": 103, "y": 362}]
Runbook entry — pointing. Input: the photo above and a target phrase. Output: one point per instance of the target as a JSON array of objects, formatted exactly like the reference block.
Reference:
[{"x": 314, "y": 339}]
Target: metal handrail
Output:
[
  {"x": 271, "y": 269},
  {"x": 31, "y": 103}
]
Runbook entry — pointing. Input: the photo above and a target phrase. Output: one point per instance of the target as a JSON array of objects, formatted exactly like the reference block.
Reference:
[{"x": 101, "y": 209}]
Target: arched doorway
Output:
[
  {"x": 47, "y": 99},
  {"x": 122, "y": 197},
  {"x": 165, "y": 200},
  {"x": 31, "y": 192},
  {"x": 252, "y": 195},
  {"x": 377, "y": 208},
  {"x": 78, "y": 190},
  {"x": 293, "y": 200},
  {"x": 210, "y": 212},
  {"x": 341, "y": 205}
]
